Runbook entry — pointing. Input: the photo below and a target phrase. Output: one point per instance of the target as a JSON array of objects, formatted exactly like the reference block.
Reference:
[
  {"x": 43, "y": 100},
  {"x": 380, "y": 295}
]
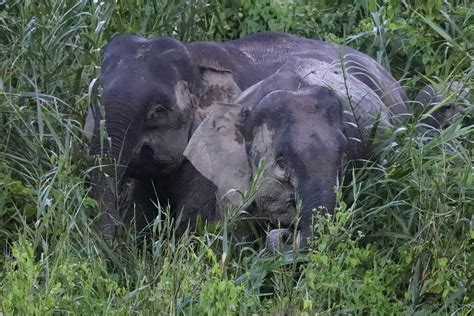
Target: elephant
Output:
[
  {"x": 155, "y": 94},
  {"x": 301, "y": 123},
  {"x": 440, "y": 96}
]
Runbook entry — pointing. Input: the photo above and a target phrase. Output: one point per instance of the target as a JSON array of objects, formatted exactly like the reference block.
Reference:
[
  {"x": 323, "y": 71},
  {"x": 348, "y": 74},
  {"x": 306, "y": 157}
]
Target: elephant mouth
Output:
[
  {"x": 278, "y": 212},
  {"x": 282, "y": 216},
  {"x": 147, "y": 167}
]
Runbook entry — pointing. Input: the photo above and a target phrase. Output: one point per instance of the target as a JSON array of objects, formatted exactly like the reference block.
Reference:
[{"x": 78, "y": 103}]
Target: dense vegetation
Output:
[{"x": 401, "y": 241}]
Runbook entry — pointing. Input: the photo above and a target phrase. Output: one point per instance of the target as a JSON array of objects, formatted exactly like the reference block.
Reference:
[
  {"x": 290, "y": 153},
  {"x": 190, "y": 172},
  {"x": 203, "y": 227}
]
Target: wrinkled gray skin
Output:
[
  {"x": 300, "y": 122},
  {"x": 433, "y": 95},
  {"x": 157, "y": 91},
  {"x": 305, "y": 122}
]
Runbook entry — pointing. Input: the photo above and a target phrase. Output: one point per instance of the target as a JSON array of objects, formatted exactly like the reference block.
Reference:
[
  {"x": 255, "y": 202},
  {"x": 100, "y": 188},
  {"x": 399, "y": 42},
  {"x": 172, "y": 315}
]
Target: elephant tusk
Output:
[{"x": 282, "y": 240}]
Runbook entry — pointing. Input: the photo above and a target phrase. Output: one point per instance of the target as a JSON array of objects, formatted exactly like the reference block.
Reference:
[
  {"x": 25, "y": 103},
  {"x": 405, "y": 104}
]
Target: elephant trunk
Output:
[
  {"x": 116, "y": 152},
  {"x": 123, "y": 130},
  {"x": 316, "y": 196},
  {"x": 106, "y": 192}
]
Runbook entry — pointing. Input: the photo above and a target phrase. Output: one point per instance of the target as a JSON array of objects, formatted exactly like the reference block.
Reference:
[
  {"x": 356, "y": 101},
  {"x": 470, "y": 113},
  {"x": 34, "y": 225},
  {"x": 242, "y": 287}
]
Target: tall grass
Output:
[{"x": 400, "y": 243}]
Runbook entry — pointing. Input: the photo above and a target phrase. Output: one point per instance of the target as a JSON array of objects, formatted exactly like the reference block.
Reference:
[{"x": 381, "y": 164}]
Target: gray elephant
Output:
[
  {"x": 305, "y": 121},
  {"x": 441, "y": 102},
  {"x": 155, "y": 92}
]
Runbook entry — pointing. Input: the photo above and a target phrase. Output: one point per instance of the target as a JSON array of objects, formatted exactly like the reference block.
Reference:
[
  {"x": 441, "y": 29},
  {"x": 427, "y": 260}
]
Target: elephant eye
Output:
[
  {"x": 281, "y": 170},
  {"x": 158, "y": 108},
  {"x": 156, "y": 114},
  {"x": 281, "y": 163}
]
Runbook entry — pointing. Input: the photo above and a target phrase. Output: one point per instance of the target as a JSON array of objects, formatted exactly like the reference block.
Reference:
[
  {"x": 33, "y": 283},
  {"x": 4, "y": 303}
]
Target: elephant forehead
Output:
[
  {"x": 143, "y": 51},
  {"x": 263, "y": 140},
  {"x": 297, "y": 129},
  {"x": 313, "y": 131}
]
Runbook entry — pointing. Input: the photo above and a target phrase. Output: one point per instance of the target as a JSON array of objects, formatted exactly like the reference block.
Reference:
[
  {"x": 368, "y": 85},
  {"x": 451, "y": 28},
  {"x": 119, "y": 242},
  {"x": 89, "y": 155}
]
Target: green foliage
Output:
[
  {"x": 219, "y": 296},
  {"x": 400, "y": 243},
  {"x": 430, "y": 208},
  {"x": 346, "y": 276},
  {"x": 21, "y": 281}
]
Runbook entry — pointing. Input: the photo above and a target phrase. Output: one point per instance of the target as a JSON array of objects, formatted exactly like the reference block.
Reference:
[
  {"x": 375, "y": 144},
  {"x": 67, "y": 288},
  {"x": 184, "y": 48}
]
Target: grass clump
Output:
[{"x": 400, "y": 243}]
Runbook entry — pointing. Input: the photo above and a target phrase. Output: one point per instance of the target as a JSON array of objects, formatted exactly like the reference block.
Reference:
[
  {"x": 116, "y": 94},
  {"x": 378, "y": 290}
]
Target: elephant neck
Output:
[{"x": 188, "y": 191}]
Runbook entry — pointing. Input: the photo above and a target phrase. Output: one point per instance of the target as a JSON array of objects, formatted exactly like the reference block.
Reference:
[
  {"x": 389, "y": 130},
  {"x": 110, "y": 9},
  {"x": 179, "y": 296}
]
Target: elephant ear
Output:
[
  {"x": 217, "y": 150},
  {"x": 93, "y": 113},
  {"x": 90, "y": 123},
  {"x": 218, "y": 81},
  {"x": 217, "y": 85}
]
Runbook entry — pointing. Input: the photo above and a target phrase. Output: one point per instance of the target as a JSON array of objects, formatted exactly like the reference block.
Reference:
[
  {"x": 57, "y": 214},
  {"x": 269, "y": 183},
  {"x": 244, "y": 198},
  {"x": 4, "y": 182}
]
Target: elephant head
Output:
[
  {"x": 300, "y": 127},
  {"x": 149, "y": 99},
  {"x": 303, "y": 146},
  {"x": 153, "y": 95}
]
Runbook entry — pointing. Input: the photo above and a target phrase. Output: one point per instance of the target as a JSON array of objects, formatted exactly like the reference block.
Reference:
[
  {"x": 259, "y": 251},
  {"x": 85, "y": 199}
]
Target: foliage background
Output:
[{"x": 401, "y": 241}]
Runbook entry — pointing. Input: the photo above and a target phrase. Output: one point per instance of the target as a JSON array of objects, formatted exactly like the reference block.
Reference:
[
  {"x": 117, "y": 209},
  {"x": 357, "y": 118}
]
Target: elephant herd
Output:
[{"x": 188, "y": 124}]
